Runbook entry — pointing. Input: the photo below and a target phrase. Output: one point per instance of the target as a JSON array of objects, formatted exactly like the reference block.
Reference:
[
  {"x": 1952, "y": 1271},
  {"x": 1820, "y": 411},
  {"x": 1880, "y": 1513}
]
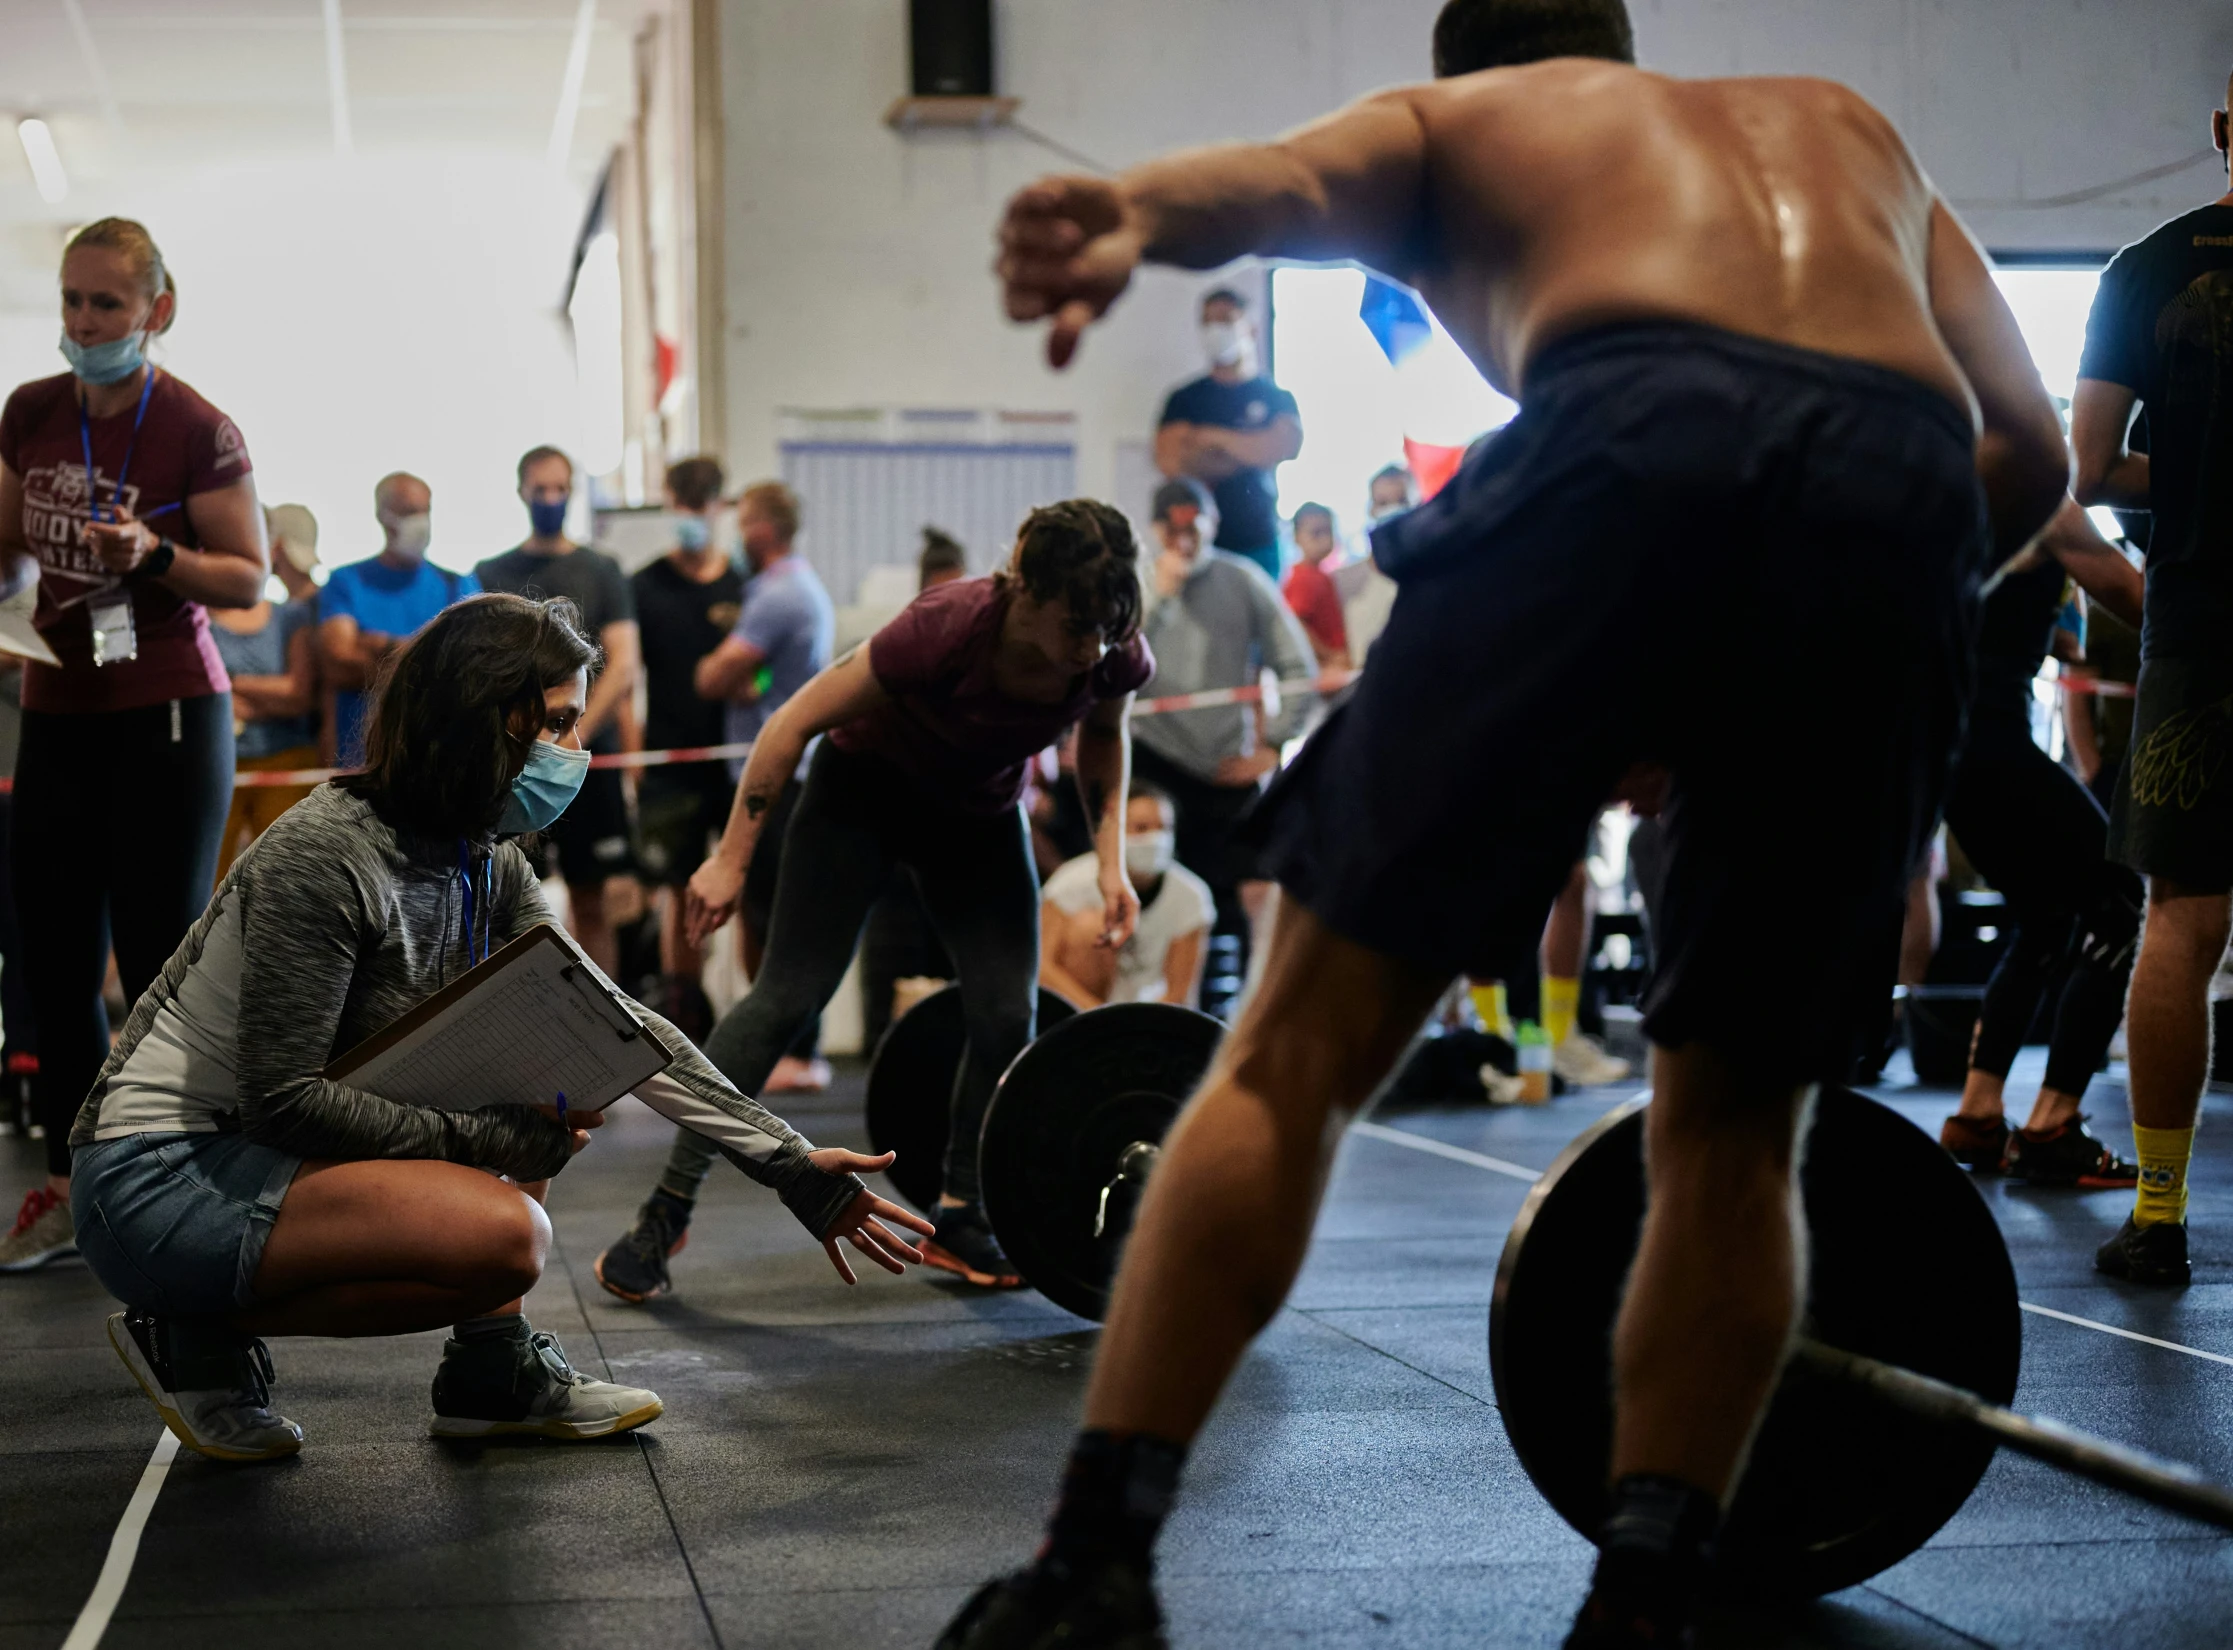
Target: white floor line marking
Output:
[
  {"x": 1497, "y": 1165},
  {"x": 1456, "y": 1154},
  {"x": 124, "y": 1547},
  {"x": 2125, "y": 1334}
]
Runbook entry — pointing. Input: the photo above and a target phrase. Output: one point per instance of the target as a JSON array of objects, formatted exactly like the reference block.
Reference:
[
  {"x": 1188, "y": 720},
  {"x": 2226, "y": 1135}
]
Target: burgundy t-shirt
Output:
[
  {"x": 185, "y": 446},
  {"x": 948, "y": 727}
]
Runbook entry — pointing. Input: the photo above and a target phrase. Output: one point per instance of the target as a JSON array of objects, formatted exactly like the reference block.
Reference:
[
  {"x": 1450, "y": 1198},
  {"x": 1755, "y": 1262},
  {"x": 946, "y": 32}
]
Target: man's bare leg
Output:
[{"x": 1227, "y": 1218}]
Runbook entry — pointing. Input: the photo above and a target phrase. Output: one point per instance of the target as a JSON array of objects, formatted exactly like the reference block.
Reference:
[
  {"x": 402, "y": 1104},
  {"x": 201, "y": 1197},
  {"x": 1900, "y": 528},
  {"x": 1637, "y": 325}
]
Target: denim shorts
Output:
[{"x": 176, "y": 1223}]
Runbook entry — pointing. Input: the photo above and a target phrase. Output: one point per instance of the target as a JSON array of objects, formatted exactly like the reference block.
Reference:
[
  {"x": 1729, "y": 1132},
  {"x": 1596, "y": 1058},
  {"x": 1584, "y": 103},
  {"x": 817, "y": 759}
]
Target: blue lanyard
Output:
[
  {"x": 85, "y": 440},
  {"x": 465, "y": 880}
]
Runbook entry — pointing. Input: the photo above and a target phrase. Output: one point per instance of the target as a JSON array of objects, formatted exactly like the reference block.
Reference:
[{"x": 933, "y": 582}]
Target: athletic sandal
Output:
[
  {"x": 42, "y": 1233},
  {"x": 964, "y": 1245},
  {"x": 2146, "y": 1254},
  {"x": 1975, "y": 1143},
  {"x": 521, "y": 1385},
  {"x": 209, "y": 1382},
  {"x": 2068, "y": 1156},
  {"x": 1109, "y": 1607},
  {"x": 635, "y": 1267}
]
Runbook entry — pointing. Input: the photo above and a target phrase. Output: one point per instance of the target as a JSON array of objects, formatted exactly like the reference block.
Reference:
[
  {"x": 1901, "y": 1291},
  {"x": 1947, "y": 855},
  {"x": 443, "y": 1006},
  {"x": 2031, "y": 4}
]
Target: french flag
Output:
[{"x": 1438, "y": 389}]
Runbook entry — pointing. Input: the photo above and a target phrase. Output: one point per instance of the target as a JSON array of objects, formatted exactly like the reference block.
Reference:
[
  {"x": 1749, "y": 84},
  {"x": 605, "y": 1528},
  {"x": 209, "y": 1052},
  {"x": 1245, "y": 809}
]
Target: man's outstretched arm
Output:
[{"x": 1347, "y": 186}]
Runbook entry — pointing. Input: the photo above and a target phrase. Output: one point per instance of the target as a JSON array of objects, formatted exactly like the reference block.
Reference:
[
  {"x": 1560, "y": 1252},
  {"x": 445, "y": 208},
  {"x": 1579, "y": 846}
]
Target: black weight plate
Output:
[
  {"x": 1064, "y": 1113},
  {"x": 1905, "y": 1265},
  {"x": 911, "y": 1088}
]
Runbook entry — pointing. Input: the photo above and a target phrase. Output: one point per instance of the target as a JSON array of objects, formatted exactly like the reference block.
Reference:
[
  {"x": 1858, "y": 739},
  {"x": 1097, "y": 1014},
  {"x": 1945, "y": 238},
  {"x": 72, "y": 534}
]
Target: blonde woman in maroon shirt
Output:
[{"x": 128, "y": 498}]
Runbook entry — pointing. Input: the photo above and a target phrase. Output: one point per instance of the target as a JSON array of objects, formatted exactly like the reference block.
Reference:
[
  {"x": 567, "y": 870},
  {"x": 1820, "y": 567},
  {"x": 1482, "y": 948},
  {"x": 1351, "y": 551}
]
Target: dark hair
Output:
[
  {"x": 1314, "y": 508},
  {"x": 942, "y": 553},
  {"x": 695, "y": 482},
  {"x": 1393, "y": 472},
  {"x": 1082, "y": 552},
  {"x": 1497, "y": 34},
  {"x": 536, "y": 455},
  {"x": 1182, "y": 493},
  {"x": 1222, "y": 295},
  {"x": 1149, "y": 790},
  {"x": 441, "y": 746}
]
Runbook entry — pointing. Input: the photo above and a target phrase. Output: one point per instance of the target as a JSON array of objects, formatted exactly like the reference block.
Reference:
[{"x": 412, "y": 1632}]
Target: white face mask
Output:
[
  {"x": 409, "y": 534},
  {"x": 1150, "y": 853},
  {"x": 1224, "y": 342}
]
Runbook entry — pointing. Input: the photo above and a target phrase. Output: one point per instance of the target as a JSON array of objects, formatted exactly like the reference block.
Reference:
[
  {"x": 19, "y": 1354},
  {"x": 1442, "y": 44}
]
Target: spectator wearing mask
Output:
[
  {"x": 367, "y": 609},
  {"x": 1229, "y": 429},
  {"x": 591, "y": 837},
  {"x": 686, "y": 603},
  {"x": 1367, "y": 594},
  {"x": 783, "y": 636},
  {"x": 271, "y": 652},
  {"x": 1215, "y": 621},
  {"x": 1309, "y": 589},
  {"x": 1162, "y": 961}
]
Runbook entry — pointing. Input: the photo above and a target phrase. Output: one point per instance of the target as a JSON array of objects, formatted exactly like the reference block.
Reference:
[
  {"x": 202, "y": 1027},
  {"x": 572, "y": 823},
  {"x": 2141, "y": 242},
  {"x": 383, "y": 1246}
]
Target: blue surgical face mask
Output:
[
  {"x": 548, "y": 520},
  {"x": 107, "y": 363},
  {"x": 552, "y": 778},
  {"x": 691, "y": 532}
]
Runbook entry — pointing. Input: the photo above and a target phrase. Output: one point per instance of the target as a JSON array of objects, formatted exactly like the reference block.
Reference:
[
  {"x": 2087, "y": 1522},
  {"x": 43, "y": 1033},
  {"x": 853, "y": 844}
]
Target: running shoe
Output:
[
  {"x": 42, "y": 1233},
  {"x": 2068, "y": 1156},
  {"x": 964, "y": 1245},
  {"x": 635, "y": 1267},
  {"x": 793, "y": 1075},
  {"x": 1976, "y": 1143},
  {"x": 2146, "y": 1254},
  {"x": 523, "y": 1385},
  {"x": 1054, "y": 1607},
  {"x": 1582, "y": 1063},
  {"x": 211, "y": 1384}
]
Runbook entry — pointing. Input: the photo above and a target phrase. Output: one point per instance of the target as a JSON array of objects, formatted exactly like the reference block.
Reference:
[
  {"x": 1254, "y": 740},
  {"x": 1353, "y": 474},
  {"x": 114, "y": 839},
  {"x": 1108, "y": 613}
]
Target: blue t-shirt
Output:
[
  {"x": 788, "y": 620},
  {"x": 265, "y": 654},
  {"x": 389, "y": 601},
  {"x": 1247, "y": 500}
]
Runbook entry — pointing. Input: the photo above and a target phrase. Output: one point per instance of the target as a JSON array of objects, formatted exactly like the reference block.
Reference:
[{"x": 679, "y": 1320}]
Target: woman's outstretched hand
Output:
[{"x": 862, "y": 1224}]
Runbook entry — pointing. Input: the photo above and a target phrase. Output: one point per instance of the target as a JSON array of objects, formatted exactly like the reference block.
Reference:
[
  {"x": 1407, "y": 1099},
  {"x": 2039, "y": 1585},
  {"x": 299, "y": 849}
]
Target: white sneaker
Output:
[
  {"x": 793, "y": 1075},
  {"x": 42, "y": 1233},
  {"x": 229, "y": 1416},
  {"x": 524, "y": 1386},
  {"x": 1582, "y": 1063}
]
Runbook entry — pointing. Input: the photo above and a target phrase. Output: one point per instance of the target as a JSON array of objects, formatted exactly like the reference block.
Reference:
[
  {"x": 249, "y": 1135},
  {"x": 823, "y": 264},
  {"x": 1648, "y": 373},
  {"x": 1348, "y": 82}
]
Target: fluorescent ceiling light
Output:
[{"x": 46, "y": 164}]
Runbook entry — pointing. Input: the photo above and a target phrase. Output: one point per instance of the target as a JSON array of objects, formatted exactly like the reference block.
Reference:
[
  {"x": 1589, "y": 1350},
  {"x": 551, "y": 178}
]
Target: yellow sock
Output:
[
  {"x": 1496, "y": 1014},
  {"x": 2164, "y": 1154},
  {"x": 1562, "y": 1002}
]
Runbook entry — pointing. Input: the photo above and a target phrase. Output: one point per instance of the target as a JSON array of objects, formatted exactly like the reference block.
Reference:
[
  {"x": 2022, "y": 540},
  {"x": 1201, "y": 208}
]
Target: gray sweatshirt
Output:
[
  {"x": 330, "y": 928},
  {"x": 1225, "y": 624}
]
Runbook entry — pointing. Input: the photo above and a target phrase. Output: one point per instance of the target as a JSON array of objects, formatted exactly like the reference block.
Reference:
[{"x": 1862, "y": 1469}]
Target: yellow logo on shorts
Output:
[{"x": 2179, "y": 759}]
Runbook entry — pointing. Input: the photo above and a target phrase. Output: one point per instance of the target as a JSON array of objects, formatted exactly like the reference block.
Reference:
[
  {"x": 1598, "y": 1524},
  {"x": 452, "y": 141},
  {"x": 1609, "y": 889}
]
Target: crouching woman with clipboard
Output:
[{"x": 229, "y": 1188}]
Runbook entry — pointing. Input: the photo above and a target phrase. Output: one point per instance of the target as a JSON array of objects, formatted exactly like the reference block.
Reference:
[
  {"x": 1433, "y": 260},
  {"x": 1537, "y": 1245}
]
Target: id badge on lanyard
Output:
[{"x": 116, "y": 640}]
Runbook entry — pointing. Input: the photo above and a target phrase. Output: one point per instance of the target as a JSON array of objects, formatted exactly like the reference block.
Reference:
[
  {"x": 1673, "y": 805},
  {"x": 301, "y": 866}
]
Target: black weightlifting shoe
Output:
[
  {"x": 1977, "y": 1144},
  {"x": 1055, "y": 1606},
  {"x": 2147, "y": 1254},
  {"x": 964, "y": 1245},
  {"x": 635, "y": 1267},
  {"x": 2069, "y": 1156}
]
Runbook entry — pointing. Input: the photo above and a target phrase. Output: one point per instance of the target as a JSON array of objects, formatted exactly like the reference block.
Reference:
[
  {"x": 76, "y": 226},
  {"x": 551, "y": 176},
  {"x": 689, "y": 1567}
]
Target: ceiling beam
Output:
[
  {"x": 95, "y": 69},
  {"x": 570, "y": 88},
  {"x": 337, "y": 82}
]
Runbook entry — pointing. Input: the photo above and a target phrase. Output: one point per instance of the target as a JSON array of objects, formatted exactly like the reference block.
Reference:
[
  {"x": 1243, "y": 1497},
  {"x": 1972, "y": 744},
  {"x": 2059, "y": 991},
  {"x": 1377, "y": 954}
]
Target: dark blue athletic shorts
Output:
[{"x": 1755, "y": 564}]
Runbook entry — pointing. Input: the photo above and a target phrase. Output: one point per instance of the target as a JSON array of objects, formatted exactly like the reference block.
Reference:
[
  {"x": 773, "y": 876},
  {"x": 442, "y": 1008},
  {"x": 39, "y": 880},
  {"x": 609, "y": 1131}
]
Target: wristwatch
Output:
[{"x": 158, "y": 561}]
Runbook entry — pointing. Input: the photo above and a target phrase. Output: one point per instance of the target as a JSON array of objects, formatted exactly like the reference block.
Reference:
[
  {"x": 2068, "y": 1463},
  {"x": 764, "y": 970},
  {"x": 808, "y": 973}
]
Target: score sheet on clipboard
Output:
[{"x": 521, "y": 1028}]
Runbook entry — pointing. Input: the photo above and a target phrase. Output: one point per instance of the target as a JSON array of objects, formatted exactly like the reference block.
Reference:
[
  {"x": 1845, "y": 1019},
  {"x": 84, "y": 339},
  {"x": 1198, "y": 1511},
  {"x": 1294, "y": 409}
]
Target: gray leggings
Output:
[{"x": 856, "y": 818}]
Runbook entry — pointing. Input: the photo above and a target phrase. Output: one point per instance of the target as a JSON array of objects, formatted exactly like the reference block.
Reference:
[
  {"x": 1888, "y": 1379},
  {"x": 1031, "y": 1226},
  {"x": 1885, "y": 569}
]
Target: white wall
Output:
[{"x": 857, "y": 259}]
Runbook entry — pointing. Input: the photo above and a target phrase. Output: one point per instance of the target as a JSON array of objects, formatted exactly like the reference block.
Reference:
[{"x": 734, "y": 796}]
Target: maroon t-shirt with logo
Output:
[
  {"x": 948, "y": 727},
  {"x": 185, "y": 446}
]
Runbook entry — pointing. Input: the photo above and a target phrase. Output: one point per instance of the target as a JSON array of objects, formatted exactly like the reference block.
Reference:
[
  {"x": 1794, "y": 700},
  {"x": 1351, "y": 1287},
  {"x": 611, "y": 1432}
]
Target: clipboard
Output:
[{"x": 520, "y": 1028}]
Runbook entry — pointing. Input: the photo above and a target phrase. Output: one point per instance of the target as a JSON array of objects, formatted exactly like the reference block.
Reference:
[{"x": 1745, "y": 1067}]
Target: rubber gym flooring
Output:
[{"x": 839, "y": 1467}]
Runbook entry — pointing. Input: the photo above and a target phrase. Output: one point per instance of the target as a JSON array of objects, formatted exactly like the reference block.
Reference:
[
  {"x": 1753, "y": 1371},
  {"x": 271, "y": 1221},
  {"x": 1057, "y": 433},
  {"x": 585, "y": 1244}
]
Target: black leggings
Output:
[
  {"x": 857, "y": 818},
  {"x": 2039, "y": 837},
  {"x": 118, "y": 818}
]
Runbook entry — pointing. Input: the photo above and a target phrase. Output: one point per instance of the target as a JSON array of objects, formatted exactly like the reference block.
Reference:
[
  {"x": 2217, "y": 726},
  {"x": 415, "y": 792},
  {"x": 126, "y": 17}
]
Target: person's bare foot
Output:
[{"x": 793, "y": 1075}]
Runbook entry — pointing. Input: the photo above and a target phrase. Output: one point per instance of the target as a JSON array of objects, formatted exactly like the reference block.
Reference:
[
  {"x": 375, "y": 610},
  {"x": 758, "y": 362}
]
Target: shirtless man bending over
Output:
[{"x": 1776, "y": 423}]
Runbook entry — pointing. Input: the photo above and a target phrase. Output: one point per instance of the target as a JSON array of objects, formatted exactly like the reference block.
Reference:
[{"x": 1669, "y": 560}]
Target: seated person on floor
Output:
[
  {"x": 1162, "y": 961},
  {"x": 226, "y": 1189}
]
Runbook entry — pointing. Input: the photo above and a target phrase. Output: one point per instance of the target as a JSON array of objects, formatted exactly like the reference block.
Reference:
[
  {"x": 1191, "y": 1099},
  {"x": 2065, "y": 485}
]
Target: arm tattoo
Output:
[{"x": 756, "y": 803}]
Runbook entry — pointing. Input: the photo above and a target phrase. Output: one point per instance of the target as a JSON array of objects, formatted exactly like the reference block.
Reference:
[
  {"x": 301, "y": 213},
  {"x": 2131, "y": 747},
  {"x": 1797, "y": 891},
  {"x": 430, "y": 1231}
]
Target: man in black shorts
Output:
[
  {"x": 1753, "y": 351},
  {"x": 686, "y": 603},
  {"x": 2161, "y": 337}
]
